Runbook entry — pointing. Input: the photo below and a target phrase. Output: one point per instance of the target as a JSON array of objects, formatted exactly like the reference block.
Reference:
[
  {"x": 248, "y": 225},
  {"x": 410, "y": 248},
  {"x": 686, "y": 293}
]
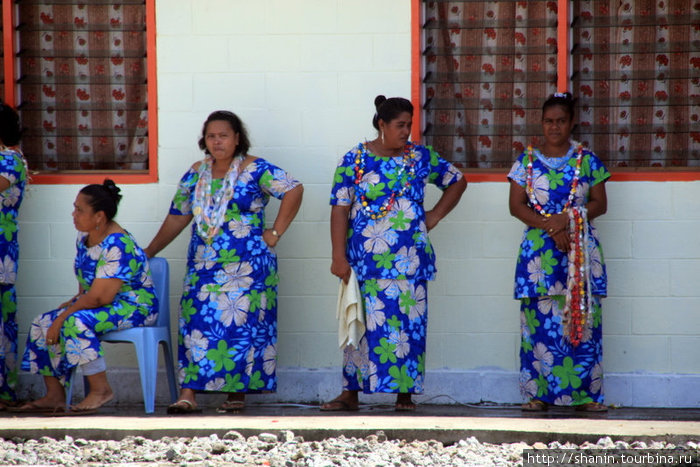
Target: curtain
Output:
[
  {"x": 488, "y": 67},
  {"x": 82, "y": 85},
  {"x": 637, "y": 76}
]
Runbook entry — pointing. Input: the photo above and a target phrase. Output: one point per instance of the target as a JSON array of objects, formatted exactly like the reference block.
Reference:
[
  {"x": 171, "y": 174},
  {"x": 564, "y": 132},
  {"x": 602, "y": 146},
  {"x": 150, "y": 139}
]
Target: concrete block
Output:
[
  {"x": 469, "y": 351},
  {"x": 36, "y": 236},
  {"x": 479, "y": 277},
  {"x": 319, "y": 17},
  {"x": 624, "y": 354},
  {"x": 685, "y": 355},
  {"x": 368, "y": 16},
  {"x": 434, "y": 356},
  {"x": 456, "y": 241},
  {"x": 238, "y": 17},
  {"x": 499, "y": 239},
  {"x": 357, "y": 89},
  {"x": 617, "y": 316},
  {"x": 316, "y": 207},
  {"x": 639, "y": 200},
  {"x": 616, "y": 238},
  {"x": 259, "y": 53},
  {"x": 139, "y": 203},
  {"x": 29, "y": 308},
  {"x": 319, "y": 349},
  {"x": 685, "y": 196},
  {"x": 300, "y": 90},
  {"x": 347, "y": 52},
  {"x": 305, "y": 241},
  {"x": 181, "y": 130},
  {"x": 228, "y": 91},
  {"x": 666, "y": 316},
  {"x": 307, "y": 314},
  {"x": 671, "y": 239},
  {"x": 274, "y": 128},
  {"x": 638, "y": 278},
  {"x": 389, "y": 52},
  {"x": 175, "y": 92},
  {"x": 184, "y": 53},
  {"x": 474, "y": 314},
  {"x": 48, "y": 204},
  {"x": 684, "y": 278},
  {"x": 174, "y": 18},
  {"x": 41, "y": 279}
]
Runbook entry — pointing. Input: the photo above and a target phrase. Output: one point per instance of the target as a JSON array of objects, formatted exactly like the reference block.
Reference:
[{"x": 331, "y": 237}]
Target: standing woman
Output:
[
  {"x": 379, "y": 228},
  {"x": 228, "y": 320},
  {"x": 115, "y": 292},
  {"x": 560, "y": 274},
  {"x": 13, "y": 178}
]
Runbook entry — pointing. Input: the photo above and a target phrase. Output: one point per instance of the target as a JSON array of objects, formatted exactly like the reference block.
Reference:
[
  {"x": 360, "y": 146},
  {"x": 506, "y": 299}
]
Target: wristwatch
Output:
[{"x": 275, "y": 233}]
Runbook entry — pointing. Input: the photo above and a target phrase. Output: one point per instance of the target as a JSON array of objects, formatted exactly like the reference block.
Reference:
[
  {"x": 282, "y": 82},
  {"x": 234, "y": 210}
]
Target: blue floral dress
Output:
[
  {"x": 228, "y": 320},
  {"x": 12, "y": 168},
  {"x": 551, "y": 369},
  {"x": 393, "y": 259},
  {"x": 116, "y": 257}
]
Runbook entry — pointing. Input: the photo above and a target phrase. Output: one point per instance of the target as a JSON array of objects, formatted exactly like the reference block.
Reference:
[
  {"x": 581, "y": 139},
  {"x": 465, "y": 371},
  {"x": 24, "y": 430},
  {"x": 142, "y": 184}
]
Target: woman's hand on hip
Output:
[
  {"x": 270, "y": 238},
  {"x": 431, "y": 219},
  {"x": 340, "y": 267}
]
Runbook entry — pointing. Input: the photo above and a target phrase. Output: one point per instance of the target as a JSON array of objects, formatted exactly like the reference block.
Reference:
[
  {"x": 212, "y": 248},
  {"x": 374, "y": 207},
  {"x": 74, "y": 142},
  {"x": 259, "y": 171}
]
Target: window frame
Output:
[
  {"x": 564, "y": 37},
  {"x": 72, "y": 177}
]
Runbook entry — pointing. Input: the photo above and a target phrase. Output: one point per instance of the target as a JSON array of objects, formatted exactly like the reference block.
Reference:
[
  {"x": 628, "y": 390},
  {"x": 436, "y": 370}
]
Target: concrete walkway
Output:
[{"x": 444, "y": 423}]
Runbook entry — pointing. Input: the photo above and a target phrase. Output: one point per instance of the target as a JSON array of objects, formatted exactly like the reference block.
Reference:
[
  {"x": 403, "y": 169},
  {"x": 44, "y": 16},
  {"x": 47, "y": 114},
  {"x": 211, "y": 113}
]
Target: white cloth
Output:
[{"x": 350, "y": 313}]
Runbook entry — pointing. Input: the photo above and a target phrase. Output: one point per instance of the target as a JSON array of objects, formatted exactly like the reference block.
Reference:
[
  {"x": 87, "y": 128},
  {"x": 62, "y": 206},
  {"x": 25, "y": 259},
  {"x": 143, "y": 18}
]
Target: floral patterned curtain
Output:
[
  {"x": 488, "y": 68},
  {"x": 637, "y": 76},
  {"x": 82, "y": 90}
]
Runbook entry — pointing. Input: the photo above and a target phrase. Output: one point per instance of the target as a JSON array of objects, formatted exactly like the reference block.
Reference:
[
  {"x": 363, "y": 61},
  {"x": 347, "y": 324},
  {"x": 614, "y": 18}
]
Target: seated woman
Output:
[{"x": 115, "y": 291}]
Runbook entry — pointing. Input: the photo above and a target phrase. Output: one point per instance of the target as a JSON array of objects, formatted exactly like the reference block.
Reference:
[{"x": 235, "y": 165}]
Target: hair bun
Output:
[
  {"x": 379, "y": 100},
  {"x": 113, "y": 190}
]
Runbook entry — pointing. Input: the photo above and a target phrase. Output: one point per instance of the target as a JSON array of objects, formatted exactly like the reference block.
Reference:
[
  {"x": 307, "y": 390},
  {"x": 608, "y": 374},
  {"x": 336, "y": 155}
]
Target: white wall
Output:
[{"x": 302, "y": 75}]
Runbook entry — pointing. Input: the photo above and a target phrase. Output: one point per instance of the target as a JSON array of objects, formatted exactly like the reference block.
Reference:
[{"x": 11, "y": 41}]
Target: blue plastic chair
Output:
[{"x": 146, "y": 340}]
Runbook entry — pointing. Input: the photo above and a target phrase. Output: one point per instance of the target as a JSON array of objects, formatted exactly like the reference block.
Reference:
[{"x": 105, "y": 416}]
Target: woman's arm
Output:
[
  {"x": 340, "y": 266},
  {"x": 449, "y": 199},
  {"x": 171, "y": 228},
  {"x": 288, "y": 210},
  {"x": 101, "y": 293},
  {"x": 597, "y": 201},
  {"x": 557, "y": 225}
]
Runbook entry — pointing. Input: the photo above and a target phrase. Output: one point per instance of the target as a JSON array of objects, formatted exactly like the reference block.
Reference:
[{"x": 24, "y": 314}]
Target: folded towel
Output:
[{"x": 350, "y": 313}]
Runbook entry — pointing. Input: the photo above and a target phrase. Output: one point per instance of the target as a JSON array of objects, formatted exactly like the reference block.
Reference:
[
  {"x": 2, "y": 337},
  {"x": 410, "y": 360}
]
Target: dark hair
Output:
[
  {"x": 10, "y": 129},
  {"x": 389, "y": 109},
  {"x": 563, "y": 99},
  {"x": 103, "y": 197},
  {"x": 236, "y": 125}
]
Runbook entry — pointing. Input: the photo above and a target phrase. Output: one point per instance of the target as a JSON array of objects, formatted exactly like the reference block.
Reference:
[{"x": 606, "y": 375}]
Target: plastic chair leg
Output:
[
  {"x": 170, "y": 370},
  {"x": 147, "y": 354}
]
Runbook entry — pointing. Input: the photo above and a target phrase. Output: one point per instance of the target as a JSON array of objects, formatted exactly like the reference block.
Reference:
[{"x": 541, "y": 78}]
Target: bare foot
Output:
[
  {"x": 346, "y": 401},
  {"x": 46, "y": 402},
  {"x": 94, "y": 400},
  {"x": 404, "y": 403}
]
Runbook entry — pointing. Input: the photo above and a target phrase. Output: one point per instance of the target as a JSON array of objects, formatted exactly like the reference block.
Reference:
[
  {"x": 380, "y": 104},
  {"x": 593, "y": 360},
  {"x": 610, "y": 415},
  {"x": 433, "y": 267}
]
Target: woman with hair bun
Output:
[
  {"x": 115, "y": 292},
  {"x": 556, "y": 191},
  {"x": 379, "y": 230},
  {"x": 13, "y": 178}
]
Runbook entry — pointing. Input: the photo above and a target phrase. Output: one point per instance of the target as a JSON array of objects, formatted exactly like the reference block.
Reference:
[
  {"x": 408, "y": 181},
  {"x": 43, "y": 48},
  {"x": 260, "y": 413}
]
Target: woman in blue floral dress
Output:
[
  {"x": 560, "y": 273},
  {"x": 379, "y": 228},
  {"x": 228, "y": 320},
  {"x": 13, "y": 178},
  {"x": 115, "y": 292}
]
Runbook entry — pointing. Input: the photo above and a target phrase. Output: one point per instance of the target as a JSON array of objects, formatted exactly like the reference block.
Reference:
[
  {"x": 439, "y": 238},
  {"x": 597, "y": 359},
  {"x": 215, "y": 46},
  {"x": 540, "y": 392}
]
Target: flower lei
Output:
[
  {"x": 408, "y": 164},
  {"x": 579, "y": 303},
  {"x": 209, "y": 211}
]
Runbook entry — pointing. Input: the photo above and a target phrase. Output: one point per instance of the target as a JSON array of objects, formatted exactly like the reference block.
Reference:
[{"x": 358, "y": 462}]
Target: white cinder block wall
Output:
[{"x": 302, "y": 75}]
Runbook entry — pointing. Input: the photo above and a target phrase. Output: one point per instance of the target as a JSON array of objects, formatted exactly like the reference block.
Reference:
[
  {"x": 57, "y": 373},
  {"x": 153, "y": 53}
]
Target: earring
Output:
[{"x": 382, "y": 138}]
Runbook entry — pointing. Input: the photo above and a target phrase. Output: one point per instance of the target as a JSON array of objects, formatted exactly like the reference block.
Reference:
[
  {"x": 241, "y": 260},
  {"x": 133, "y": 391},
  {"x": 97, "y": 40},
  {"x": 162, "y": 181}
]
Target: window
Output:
[
  {"x": 84, "y": 85},
  {"x": 486, "y": 68},
  {"x": 637, "y": 77}
]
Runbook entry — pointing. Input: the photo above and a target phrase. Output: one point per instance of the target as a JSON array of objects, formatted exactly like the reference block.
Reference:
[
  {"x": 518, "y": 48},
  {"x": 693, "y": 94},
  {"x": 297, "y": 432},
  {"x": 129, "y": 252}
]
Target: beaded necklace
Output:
[
  {"x": 578, "y": 307},
  {"x": 209, "y": 211},
  {"x": 407, "y": 167},
  {"x": 574, "y": 183}
]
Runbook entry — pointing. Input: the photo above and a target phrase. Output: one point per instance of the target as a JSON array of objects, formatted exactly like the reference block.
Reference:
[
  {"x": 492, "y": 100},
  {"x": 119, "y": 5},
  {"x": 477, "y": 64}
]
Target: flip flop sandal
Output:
[
  {"x": 32, "y": 407},
  {"x": 535, "y": 405},
  {"x": 231, "y": 407},
  {"x": 339, "y": 405},
  {"x": 75, "y": 412},
  {"x": 183, "y": 406},
  {"x": 404, "y": 407},
  {"x": 592, "y": 407}
]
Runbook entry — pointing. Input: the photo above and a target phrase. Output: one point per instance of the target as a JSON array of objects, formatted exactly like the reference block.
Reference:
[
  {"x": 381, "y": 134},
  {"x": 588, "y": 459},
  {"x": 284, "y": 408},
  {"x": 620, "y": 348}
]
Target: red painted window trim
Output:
[
  {"x": 150, "y": 176},
  {"x": 563, "y": 84}
]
